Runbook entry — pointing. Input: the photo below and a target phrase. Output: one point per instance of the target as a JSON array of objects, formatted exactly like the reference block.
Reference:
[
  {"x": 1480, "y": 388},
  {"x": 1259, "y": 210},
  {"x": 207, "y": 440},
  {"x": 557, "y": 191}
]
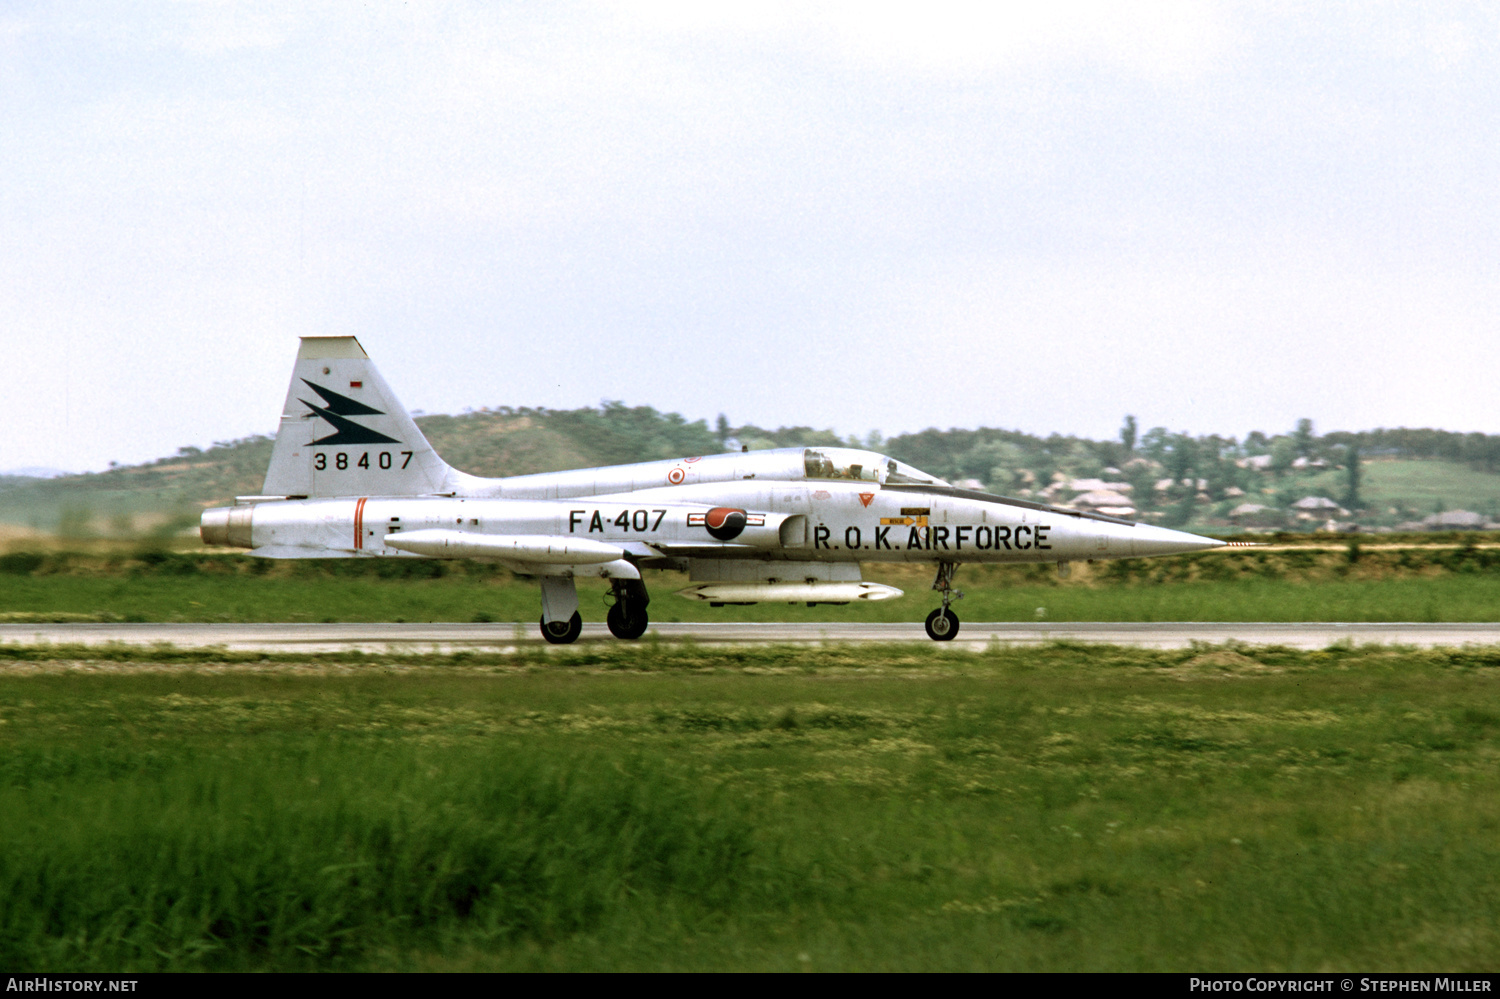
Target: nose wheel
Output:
[
  {"x": 562, "y": 632},
  {"x": 942, "y": 624}
]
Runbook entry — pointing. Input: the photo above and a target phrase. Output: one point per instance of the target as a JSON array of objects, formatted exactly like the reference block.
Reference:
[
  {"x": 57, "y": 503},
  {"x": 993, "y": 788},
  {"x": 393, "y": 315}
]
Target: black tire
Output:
[
  {"x": 626, "y": 623},
  {"x": 942, "y": 625},
  {"x": 563, "y": 633}
]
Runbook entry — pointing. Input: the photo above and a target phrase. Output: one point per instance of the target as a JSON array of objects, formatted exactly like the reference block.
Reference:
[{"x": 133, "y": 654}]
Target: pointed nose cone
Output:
[{"x": 1148, "y": 540}]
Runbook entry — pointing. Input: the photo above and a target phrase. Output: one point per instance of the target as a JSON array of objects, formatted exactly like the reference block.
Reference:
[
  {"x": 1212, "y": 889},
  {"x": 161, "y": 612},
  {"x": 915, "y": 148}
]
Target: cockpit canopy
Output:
[{"x": 854, "y": 464}]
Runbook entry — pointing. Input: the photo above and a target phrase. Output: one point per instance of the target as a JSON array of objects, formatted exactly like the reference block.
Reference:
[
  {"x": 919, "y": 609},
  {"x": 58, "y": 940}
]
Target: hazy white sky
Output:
[{"x": 1218, "y": 217}]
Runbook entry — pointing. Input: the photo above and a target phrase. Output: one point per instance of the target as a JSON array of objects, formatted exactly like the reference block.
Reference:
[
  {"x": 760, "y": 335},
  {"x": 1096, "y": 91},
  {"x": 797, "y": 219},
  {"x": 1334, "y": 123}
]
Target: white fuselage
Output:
[{"x": 806, "y": 520}]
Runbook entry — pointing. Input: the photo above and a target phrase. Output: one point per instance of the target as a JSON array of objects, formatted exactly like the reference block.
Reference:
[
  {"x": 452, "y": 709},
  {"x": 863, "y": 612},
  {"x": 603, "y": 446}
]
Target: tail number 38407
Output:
[{"x": 343, "y": 460}]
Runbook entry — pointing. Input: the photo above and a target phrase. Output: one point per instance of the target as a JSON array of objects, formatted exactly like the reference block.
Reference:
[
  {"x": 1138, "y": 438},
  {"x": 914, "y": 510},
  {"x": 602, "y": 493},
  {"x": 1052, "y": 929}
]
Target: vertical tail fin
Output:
[{"x": 344, "y": 433}]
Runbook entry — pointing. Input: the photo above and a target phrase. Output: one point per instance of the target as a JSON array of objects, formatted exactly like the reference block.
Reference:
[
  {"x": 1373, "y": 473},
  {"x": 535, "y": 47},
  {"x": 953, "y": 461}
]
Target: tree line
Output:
[{"x": 489, "y": 442}]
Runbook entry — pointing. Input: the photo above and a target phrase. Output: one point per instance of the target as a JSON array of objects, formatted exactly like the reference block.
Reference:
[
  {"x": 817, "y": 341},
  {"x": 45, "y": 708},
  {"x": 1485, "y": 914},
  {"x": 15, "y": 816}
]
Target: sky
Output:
[{"x": 1216, "y": 217}]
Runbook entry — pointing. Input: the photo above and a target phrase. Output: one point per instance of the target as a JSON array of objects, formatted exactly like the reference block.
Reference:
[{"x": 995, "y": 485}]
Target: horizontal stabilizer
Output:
[{"x": 541, "y": 548}]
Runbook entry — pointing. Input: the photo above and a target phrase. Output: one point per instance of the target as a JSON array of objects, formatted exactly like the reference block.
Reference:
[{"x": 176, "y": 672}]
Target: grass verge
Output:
[
  {"x": 317, "y": 854},
  {"x": 635, "y": 807},
  {"x": 1450, "y": 584}
]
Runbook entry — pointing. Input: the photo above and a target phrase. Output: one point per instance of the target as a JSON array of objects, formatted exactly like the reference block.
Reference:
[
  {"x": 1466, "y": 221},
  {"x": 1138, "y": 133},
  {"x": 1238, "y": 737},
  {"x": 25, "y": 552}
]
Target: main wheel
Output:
[
  {"x": 562, "y": 632},
  {"x": 626, "y": 622},
  {"x": 942, "y": 625}
]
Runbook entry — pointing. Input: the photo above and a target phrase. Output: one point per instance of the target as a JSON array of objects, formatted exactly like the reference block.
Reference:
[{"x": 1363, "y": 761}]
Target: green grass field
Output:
[
  {"x": 661, "y": 807},
  {"x": 1421, "y": 486},
  {"x": 1449, "y": 584},
  {"x": 240, "y": 599}
]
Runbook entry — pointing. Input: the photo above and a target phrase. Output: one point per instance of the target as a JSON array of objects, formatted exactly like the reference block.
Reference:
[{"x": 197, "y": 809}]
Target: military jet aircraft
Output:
[{"x": 351, "y": 476}]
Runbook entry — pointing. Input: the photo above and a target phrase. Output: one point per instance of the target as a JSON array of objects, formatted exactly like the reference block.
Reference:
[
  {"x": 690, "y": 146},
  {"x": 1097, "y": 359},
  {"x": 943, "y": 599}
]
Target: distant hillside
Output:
[
  {"x": 164, "y": 494},
  {"x": 1402, "y": 475}
]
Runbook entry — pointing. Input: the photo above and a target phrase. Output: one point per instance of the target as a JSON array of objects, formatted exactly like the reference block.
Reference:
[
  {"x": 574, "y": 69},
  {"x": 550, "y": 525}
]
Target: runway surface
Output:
[{"x": 456, "y": 637}]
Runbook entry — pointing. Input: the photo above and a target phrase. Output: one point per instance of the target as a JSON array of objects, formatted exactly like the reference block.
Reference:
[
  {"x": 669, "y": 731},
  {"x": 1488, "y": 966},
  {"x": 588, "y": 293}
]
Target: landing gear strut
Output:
[
  {"x": 942, "y": 624},
  {"x": 627, "y": 615}
]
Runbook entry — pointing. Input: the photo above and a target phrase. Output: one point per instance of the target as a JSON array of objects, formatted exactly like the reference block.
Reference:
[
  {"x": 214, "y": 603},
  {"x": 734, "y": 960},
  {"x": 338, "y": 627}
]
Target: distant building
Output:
[
  {"x": 1314, "y": 504},
  {"x": 1197, "y": 485},
  {"x": 1450, "y": 520},
  {"x": 1105, "y": 501},
  {"x": 1256, "y": 515},
  {"x": 1089, "y": 485},
  {"x": 1455, "y": 520}
]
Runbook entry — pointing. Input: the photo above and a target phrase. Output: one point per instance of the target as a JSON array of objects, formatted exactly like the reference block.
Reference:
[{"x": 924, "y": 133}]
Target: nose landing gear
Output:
[{"x": 942, "y": 624}]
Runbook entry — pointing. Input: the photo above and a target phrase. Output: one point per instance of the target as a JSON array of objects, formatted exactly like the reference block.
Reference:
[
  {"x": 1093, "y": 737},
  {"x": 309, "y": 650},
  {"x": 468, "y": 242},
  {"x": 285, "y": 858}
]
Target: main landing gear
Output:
[
  {"x": 562, "y": 632},
  {"x": 627, "y": 615},
  {"x": 942, "y": 624},
  {"x": 561, "y": 623}
]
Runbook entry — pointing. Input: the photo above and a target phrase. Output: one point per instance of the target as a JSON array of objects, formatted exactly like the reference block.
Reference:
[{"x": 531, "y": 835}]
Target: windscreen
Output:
[
  {"x": 862, "y": 466},
  {"x": 899, "y": 473}
]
